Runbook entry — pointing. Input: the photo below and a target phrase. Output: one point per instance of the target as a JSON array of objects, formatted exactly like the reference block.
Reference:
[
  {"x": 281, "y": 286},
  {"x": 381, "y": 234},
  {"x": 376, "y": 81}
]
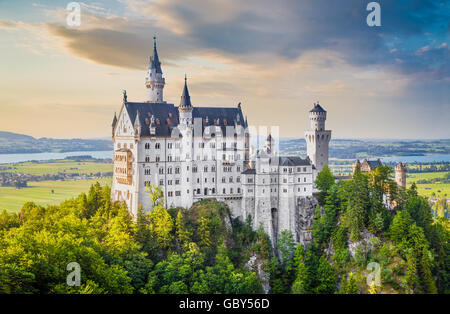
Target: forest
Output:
[{"x": 204, "y": 249}]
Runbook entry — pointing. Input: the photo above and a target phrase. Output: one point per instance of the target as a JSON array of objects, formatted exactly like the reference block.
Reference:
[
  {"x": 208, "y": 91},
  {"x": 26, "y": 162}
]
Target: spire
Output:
[
  {"x": 124, "y": 96},
  {"x": 137, "y": 121},
  {"x": 154, "y": 62},
  {"x": 114, "y": 120},
  {"x": 185, "y": 98}
]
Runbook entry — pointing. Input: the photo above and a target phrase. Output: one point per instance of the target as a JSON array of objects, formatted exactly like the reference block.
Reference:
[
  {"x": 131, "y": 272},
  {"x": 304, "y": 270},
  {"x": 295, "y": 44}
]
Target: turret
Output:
[
  {"x": 185, "y": 108},
  {"x": 154, "y": 80},
  {"x": 113, "y": 125},
  {"x": 270, "y": 145},
  {"x": 400, "y": 174}
]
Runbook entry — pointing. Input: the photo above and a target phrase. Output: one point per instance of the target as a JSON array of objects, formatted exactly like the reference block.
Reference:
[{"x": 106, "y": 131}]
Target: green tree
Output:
[{"x": 324, "y": 181}]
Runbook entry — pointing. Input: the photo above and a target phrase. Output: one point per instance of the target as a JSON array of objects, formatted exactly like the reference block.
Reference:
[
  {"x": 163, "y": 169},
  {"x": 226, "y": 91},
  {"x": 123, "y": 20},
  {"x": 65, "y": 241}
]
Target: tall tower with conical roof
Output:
[
  {"x": 317, "y": 138},
  {"x": 154, "y": 80},
  {"x": 185, "y": 108}
]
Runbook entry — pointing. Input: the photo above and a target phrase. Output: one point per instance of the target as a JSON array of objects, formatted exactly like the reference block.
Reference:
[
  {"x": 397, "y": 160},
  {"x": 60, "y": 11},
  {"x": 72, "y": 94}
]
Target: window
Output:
[
  {"x": 169, "y": 170},
  {"x": 157, "y": 146},
  {"x": 194, "y": 169},
  {"x": 169, "y": 145},
  {"x": 177, "y": 181},
  {"x": 231, "y": 190},
  {"x": 169, "y": 158},
  {"x": 239, "y": 190},
  {"x": 213, "y": 190},
  {"x": 230, "y": 180},
  {"x": 157, "y": 158},
  {"x": 198, "y": 180},
  {"x": 285, "y": 190},
  {"x": 161, "y": 170},
  {"x": 238, "y": 179},
  {"x": 177, "y": 170},
  {"x": 161, "y": 182},
  {"x": 249, "y": 180},
  {"x": 147, "y": 171},
  {"x": 177, "y": 193},
  {"x": 147, "y": 158},
  {"x": 223, "y": 191},
  {"x": 223, "y": 180},
  {"x": 304, "y": 179},
  {"x": 205, "y": 169},
  {"x": 284, "y": 180},
  {"x": 169, "y": 182},
  {"x": 170, "y": 194},
  {"x": 147, "y": 145}
]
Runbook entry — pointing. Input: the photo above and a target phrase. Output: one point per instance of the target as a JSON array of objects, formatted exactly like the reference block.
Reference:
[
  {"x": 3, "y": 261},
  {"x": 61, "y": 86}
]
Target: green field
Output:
[
  {"x": 66, "y": 166},
  {"x": 12, "y": 199},
  {"x": 439, "y": 189}
]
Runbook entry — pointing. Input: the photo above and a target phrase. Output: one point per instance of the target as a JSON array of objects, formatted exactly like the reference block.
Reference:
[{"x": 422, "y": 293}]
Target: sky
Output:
[{"x": 275, "y": 57}]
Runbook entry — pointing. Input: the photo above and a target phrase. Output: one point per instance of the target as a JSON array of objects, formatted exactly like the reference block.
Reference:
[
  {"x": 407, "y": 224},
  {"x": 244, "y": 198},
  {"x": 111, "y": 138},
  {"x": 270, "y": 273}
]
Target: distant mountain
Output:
[
  {"x": 13, "y": 143},
  {"x": 14, "y": 136}
]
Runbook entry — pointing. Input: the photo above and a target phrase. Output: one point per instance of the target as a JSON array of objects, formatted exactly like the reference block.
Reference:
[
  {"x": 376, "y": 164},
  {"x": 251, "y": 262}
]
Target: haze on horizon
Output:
[{"x": 275, "y": 57}]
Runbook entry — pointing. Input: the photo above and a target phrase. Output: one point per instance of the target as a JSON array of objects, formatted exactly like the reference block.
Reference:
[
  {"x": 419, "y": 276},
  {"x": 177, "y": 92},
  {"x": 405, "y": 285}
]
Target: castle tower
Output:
[
  {"x": 154, "y": 80},
  {"x": 317, "y": 138},
  {"x": 270, "y": 145},
  {"x": 185, "y": 108},
  {"x": 400, "y": 174}
]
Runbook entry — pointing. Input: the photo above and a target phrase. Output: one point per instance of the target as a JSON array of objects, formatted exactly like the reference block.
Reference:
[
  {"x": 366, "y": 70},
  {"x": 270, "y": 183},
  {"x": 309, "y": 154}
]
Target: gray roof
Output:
[
  {"x": 373, "y": 164},
  {"x": 249, "y": 171},
  {"x": 185, "y": 98},
  {"x": 168, "y": 117},
  {"x": 167, "y": 114},
  {"x": 290, "y": 161},
  {"x": 219, "y": 116},
  {"x": 317, "y": 108}
]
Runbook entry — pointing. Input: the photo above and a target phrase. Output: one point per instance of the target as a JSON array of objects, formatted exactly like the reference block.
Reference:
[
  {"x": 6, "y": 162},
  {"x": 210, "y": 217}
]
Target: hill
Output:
[{"x": 14, "y": 143}]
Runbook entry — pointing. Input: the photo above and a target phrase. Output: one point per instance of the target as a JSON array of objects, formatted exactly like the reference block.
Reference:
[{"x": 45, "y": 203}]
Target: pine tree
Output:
[
  {"x": 183, "y": 234},
  {"x": 411, "y": 272},
  {"x": 205, "y": 233}
]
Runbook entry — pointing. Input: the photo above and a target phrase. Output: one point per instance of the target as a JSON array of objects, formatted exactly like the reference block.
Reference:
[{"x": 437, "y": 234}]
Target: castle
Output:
[
  {"x": 195, "y": 152},
  {"x": 370, "y": 165}
]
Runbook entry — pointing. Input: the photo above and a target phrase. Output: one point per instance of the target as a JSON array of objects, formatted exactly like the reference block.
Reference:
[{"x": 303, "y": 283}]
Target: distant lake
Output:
[
  {"x": 412, "y": 159},
  {"x": 9, "y": 158}
]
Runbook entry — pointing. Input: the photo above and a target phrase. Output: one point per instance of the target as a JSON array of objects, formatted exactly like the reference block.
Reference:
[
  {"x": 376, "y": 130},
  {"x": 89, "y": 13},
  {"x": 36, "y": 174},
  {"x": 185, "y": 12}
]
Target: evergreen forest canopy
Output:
[{"x": 205, "y": 250}]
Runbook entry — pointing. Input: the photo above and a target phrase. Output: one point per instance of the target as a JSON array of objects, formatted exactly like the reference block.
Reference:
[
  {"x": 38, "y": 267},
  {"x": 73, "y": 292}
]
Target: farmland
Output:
[{"x": 12, "y": 199}]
